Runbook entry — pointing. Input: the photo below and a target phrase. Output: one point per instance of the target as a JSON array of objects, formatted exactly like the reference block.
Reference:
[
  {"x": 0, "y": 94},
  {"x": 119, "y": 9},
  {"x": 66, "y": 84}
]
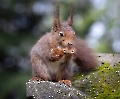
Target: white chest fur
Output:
[{"x": 55, "y": 66}]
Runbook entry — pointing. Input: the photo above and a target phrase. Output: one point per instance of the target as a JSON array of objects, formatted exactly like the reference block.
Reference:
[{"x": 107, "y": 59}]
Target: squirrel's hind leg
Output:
[
  {"x": 36, "y": 79},
  {"x": 40, "y": 70},
  {"x": 65, "y": 73}
]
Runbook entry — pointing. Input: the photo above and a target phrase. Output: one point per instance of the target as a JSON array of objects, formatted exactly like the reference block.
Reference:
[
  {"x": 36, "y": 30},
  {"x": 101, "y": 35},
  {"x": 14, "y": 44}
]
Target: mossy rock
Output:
[{"x": 104, "y": 83}]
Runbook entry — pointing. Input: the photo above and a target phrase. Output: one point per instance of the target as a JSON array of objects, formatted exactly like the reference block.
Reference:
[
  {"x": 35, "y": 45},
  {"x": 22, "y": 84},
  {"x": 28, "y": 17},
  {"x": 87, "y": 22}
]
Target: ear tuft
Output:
[
  {"x": 70, "y": 19},
  {"x": 57, "y": 11},
  {"x": 56, "y": 22}
]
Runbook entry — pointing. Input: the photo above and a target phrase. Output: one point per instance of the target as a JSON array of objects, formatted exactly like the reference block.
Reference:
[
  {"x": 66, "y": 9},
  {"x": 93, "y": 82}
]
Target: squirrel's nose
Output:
[{"x": 70, "y": 44}]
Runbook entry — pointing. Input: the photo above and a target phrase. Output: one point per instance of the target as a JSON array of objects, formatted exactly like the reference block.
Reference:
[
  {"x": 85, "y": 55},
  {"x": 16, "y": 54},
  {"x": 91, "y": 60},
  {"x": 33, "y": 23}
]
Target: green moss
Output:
[{"x": 102, "y": 84}]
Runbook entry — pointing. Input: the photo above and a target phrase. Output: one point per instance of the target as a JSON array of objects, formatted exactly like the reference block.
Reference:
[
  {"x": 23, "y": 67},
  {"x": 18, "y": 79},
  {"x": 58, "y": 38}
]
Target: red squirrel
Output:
[{"x": 52, "y": 57}]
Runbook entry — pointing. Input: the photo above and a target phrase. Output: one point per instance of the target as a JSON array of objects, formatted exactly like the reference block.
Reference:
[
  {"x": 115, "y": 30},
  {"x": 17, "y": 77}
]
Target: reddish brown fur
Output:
[{"x": 53, "y": 54}]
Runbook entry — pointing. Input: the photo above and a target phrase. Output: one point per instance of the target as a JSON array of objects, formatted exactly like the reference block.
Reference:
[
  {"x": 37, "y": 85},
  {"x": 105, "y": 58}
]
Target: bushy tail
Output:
[{"x": 84, "y": 56}]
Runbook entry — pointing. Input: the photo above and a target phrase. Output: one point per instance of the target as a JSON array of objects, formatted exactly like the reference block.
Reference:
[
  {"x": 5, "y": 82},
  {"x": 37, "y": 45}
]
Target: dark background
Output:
[{"x": 22, "y": 22}]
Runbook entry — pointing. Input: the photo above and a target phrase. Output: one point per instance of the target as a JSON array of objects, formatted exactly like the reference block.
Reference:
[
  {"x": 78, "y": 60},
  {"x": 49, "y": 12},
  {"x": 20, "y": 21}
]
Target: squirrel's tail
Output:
[{"x": 84, "y": 57}]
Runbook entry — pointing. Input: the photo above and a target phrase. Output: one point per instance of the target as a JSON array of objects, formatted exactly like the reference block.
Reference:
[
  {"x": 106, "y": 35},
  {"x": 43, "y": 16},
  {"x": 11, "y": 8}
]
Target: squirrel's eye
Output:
[{"x": 61, "y": 34}]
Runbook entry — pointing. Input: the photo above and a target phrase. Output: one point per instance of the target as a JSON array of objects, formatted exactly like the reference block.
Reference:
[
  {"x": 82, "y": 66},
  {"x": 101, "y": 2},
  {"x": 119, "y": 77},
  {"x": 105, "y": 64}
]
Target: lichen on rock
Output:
[{"x": 104, "y": 83}]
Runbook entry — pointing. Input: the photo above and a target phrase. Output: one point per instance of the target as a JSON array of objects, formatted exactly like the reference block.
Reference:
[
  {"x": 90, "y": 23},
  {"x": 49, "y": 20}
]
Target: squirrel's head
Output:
[{"x": 63, "y": 32}]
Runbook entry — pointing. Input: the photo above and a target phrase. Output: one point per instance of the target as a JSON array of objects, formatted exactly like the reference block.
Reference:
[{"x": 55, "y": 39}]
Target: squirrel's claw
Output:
[{"x": 66, "y": 82}]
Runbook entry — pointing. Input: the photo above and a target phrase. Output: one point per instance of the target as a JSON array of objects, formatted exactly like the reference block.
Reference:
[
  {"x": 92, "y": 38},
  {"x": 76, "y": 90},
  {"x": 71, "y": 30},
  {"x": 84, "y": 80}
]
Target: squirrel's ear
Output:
[
  {"x": 70, "y": 19},
  {"x": 56, "y": 22}
]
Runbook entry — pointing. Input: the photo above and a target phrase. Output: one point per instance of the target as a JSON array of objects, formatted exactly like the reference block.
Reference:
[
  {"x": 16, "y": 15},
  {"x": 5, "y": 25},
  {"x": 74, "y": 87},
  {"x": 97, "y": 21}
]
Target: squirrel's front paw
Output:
[
  {"x": 56, "y": 54},
  {"x": 54, "y": 57},
  {"x": 69, "y": 50},
  {"x": 69, "y": 53}
]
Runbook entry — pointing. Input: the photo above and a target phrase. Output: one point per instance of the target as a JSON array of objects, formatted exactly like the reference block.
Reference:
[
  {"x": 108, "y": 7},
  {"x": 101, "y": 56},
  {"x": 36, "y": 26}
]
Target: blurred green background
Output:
[{"x": 22, "y": 22}]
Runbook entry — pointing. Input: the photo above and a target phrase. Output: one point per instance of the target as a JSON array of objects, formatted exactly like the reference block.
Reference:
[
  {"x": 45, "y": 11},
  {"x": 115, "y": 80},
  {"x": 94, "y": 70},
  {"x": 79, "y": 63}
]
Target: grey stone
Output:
[
  {"x": 112, "y": 59},
  {"x": 52, "y": 90}
]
